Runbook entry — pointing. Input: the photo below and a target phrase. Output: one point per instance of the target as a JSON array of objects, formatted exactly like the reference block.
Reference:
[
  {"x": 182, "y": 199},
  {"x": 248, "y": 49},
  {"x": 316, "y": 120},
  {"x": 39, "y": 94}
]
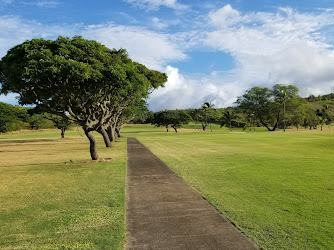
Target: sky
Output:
[{"x": 212, "y": 51}]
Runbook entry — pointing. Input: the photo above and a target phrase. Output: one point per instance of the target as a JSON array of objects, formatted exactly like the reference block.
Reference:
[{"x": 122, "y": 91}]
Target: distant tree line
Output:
[
  {"x": 14, "y": 118},
  {"x": 278, "y": 107},
  {"x": 313, "y": 98}
]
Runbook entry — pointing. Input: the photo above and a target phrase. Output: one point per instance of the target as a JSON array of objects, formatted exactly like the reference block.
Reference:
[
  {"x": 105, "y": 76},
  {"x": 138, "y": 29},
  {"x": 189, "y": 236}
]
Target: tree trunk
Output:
[
  {"x": 113, "y": 134},
  {"x": 166, "y": 128},
  {"x": 118, "y": 131},
  {"x": 264, "y": 124},
  {"x": 62, "y": 133},
  {"x": 275, "y": 127},
  {"x": 105, "y": 136},
  {"x": 175, "y": 129},
  {"x": 108, "y": 130},
  {"x": 92, "y": 142}
]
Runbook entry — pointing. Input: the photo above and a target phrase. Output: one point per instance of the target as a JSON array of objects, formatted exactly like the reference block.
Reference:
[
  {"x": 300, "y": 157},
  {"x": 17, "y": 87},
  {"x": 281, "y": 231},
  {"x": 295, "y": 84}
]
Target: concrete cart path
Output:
[{"x": 163, "y": 212}]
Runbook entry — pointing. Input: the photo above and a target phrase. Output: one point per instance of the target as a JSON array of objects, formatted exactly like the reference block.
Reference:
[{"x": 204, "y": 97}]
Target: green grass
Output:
[
  {"x": 48, "y": 202},
  {"x": 277, "y": 187}
]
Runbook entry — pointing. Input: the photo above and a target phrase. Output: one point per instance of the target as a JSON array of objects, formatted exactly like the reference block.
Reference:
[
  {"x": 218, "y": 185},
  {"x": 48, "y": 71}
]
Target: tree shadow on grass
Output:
[
  {"x": 67, "y": 163},
  {"x": 25, "y": 141},
  {"x": 17, "y": 151}
]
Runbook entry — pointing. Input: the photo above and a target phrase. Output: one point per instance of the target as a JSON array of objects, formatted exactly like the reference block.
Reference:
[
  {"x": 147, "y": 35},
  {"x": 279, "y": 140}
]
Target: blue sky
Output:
[{"x": 211, "y": 50}]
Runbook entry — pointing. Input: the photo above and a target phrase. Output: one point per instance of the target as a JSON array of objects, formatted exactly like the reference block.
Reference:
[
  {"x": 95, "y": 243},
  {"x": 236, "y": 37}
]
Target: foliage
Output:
[
  {"x": 81, "y": 77},
  {"x": 229, "y": 117},
  {"x": 313, "y": 98},
  {"x": 60, "y": 122},
  {"x": 268, "y": 105},
  {"x": 323, "y": 117},
  {"x": 38, "y": 121},
  {"x": 11, "y": 117},
  {"x": 171, "y": 118}
]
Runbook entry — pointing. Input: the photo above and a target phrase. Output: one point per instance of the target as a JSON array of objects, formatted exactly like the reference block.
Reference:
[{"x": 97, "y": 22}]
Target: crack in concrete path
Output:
[{"x": 164, "y": 212}]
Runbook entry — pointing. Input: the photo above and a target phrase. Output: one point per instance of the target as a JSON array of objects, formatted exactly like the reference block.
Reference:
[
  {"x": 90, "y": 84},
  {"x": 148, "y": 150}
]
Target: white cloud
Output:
[
  {"x": 182, "y": 92},
  {"x": 153, "y": 49},
  {"x": 225, "y": 16},
  {"x": 271, "y": 48},
  {"x": 14, "y": 30},
  {"x": 47, "y": 4},
  {"x": 158, "y": 24},
  {"x": 147, "y": 47},
  {"x": 155, "y": 4},
  {"x": 10, "y": 98},
  {"x": 268, "y": 48}
]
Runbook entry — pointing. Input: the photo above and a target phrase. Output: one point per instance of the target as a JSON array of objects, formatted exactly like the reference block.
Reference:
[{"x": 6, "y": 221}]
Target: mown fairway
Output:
[
  {"x": 276, "y": 187},
  {"x": 49, "y": 202}
]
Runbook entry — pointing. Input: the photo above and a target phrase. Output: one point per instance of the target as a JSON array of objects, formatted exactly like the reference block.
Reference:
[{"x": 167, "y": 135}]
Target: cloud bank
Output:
[
  {"x": 285, "y": 46},
  {"x": 147, "y": 47},
  {"x": 156, "y": 4}
]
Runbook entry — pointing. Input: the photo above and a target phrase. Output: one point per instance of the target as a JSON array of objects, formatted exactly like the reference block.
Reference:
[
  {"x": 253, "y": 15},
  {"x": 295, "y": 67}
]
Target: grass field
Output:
[
  {"x": 276, "y": 187},
  {"x": 49, "y": 202}
]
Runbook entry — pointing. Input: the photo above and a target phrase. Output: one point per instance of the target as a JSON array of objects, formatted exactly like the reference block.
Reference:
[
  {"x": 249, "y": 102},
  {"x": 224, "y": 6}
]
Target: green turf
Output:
[
  {"x": 276, "y": 187},
  {"x": 78, "y": 205}
]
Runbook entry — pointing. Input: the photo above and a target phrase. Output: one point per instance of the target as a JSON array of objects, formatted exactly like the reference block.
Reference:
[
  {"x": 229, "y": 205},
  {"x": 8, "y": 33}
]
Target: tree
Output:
[
  {"x": 286, "y": 96},
  {"x": 323, "y": 117},
  {"x": 311, "y": 119},
  {"x": 138, "y": 109},
  {"x": 258, "y": 101},
  {"x": 297, "y": 117},
  {"x": 161, "y": 119},
  {"x": 268, "y": 105},
  {"x": 207, "y": 107},
  {"x": 171, "y": 118},
  {"x": 229, "y": 116},
  {"x": 178, "y": 118},
  {"x": 200, "y": 118},
  {"x": 60, "y": 122},
  {"x": 11, "y": 117},
  {"x": 79, "y": 77},
  {"x": 38, "y": 121}
]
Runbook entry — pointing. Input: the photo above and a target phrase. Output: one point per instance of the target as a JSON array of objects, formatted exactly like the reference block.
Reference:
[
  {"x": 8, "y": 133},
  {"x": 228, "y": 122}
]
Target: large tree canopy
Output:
[
  {"x": 268, "y": 106},
  {"x": 79, "y": 77},
  {"x": 171, "y": 118}
]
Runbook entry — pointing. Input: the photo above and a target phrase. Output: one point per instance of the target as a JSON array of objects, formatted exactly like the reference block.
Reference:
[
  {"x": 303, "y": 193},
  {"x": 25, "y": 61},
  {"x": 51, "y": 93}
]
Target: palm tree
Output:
[
  {"x": 207, "y": 108},
  {"x": 228, "y": 117},
  {"x": 323, "y": 117}
]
